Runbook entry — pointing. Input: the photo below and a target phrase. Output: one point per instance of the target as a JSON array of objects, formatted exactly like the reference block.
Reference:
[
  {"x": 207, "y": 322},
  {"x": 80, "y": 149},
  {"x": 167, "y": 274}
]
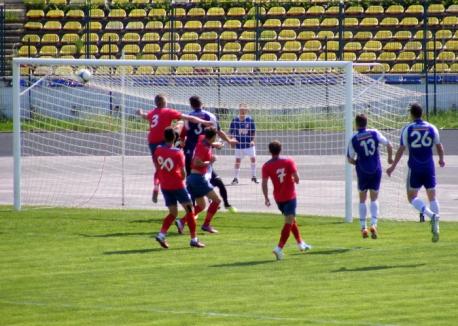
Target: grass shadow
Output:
[
  {"x": 375, "y": 268},
  {"x": 245, "y": 263}
]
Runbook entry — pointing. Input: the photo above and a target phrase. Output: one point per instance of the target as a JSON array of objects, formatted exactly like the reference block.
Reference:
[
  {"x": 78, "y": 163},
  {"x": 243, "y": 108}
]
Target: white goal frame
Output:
[{"x": 346, "y": 66}]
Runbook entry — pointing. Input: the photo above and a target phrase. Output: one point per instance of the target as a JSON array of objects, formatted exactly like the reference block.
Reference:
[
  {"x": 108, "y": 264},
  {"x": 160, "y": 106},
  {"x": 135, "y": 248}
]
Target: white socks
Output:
[
  {"x": 421, "y": 207},
  {"x": 253, "y": 170},
  {"x": 374, "y": 212},
  {"x": 237, "y": 173},
  {"x": 362, "y": 215},
  {"x": 434, "y": 206}
]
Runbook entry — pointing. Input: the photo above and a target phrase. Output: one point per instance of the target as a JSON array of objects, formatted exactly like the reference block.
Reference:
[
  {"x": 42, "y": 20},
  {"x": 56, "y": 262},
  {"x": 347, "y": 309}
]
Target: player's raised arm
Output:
[
  {"x": 397, "y": 158},
  {"x": 226, "y": 138},
  {"x": 142, "y": 114},
  {"x": 196, "y": 120}
]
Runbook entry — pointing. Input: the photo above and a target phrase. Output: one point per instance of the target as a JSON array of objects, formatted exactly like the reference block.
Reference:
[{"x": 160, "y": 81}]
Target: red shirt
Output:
[
  {"x": 170, "y": 162},
  {"x": 280, "y": 171},
  {"x": 159, "y": 119},
  {"x": 203, "y": 151}
]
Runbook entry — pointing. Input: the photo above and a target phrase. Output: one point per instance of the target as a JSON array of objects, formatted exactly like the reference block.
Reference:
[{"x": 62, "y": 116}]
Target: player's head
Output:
[
  {"x": 169, "y": 135},
  {"x": 210, "y": 134},
  {"x": 361, "y": 121},
  {"x": 160, "y": 101},
  {"x": 275, "y": 148},
  {"x": 243, "y": 110},
  {"x": 195, "y": 102},
  {"x": 416, "y": 111}
]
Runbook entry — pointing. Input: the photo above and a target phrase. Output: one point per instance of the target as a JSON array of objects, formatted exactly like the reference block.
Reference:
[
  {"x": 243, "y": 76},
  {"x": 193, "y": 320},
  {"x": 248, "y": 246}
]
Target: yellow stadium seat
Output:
[
  {"x": 383, "y": 35},
  {"x": 109, "y": 49},
  {"x": 208, "y": 36},
  {"x": 236, "y": 12},
  {"x": 72, "y": 26},
  {"x": 30, "y": 38},
  {"x": 276, "y": 11},
  {"x": 362, "y": 68},
  {"x": 419, "y": 35},
  {"x": 315, "y": 10},
  {"x": 252, "y": 11},
  {"x": 387, "y": 56},
  {"x": 189, "y": 57},
  {"x": 332, "y": 45},
  {"x": 267, "y": 57},
  {"x": 392, "y": 46},
  {"x": 308, "y": 56},
  {"x": 429, "y": 55},
  {"x": 287, "y": 35},
  {"x": 55, "y": 14},
  {"x": 353, "y": 46},
  {"x": 137, "y": 13},
  {"x": 248, "y": 57},
  {"x": 75, "y": 14},
  {"x": 35, "y": 14},
  {"x": 349, "y": 56},
  {"x": 215, "y": 12},
  {"x": 110, "y": 37},
  {"x": 451, "y": 45},
  {"x": 312, "y": 22},
  {"x": 176, "y": 25},
  {"x": 369, "y": 21},
  {"x": 209, "y": 57},
  {"x": 413, "y": 46},
  {"x": 228, "y": 36},
  {"x": 446, "y": 56},
  {"x": 50, "y": 50},
  {"x": 247, "y": 36},
  {"x": 330, "y": 22},
  {"x": 403, "y": 35},
  {"x": 374, "y": 10},
  {"x": 347, "y": 35},
  {"x": 354, "y": 10},
  {"x": 454, "y": 68},
  {"x": 131, "y": 49},
  {"x": 184, "y": 71},
  {"x": 363, "y": 35},
  {"x": 192, "y": 48},
  {"x": 170, "y": 36},
  {"x": 415, "y": 9},
  {"x": 117, "y": 13},
  {"x": 180, "y": 12},
  {"x": 212, "y": 24},
  {"x": 196, "y": 12},
  {"x": 288, "y": 57},
  {"x": 131, "y": 37},
  {"x": 307, "y": 35},
  {"x": 409, "y": 21},
  {"x": 453, "y": 9},
  {"x": 367, "y": 57},
  {"x": 114, "y": 25},
  {"x": 295, "y": 11},
  {"x": 389, "y": 21},
  {"x": 27, "y": 51},
  {"x": 151, "y": 48},
  {"x": 69, "y": 38},
  {"x": 441, "y": 68},
  {"x": 228, "y": 57},
  {"x": 407, "y": 56},
  {"x": 271, "y": 46},
  {"x": 432, "y": 21},
  {"x": 163, "y": 70},
  {"x": 272, "y": 23},
  {"x": 93, "y": 37},
  {"x": 372, "y": 45},
  {"x": 436, "y": 8},
  {"x": 167, "y": 47},
  {"x": 151, "y": 37},
  {"x": 249, "y": 47},
  {"x": 211, "y": 48},
  {"x": 52, "y": 25},
  {"x": 189, "y": 36},
  {"x": 380, "y": 68},
  {"x": 325, "y": 35},
  {"x": 443, "y": 34},
  {"x": 327, "y": 56},
  {"x": 232, "y": 24},
  {"x": 140, "y": 2},
  {"x": 450, "y": 21},
  {"x": 157, "y": 13},
  {"x": 93, "y": 49},
  {"x": 291, "y": 23},
  {"x": 57, "y": 2},
  {"x": 68, "y": 49},
  {"x": 312, "y": 45},
  {"x": 50, "y": 38},
  {"x": 250, "y": 24},
  {"x": 131, "y": 56},
  {"x": 395, "y": 9},
  {"x": 332, "y": 10},
  {"x": 430, "y": 45},
  {"x": 104, "y": 70},
  {"x": 292, "y": 46},
  {"x": 96, "y": 13},
  {"x": 154, "y": 25},
  {"x": 268, "y": 35},
  {"x": 64, "y": 71},
  {"x": 192, "y": 25}
]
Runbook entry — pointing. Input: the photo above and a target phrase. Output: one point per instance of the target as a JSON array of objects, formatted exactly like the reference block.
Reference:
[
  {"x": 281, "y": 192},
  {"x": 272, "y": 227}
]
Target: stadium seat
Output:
[
  {"x": 332, "y": 45},
  {"x": 228, "y": 57},
  {"x": 154, "y": 25},
  {"x": 236, "y": 12},
  {"x": 189, "y": 57},
  {"x": 72, "y": 26},
  {"x": 109, "y": 49},
  {"x": 413, "y": 46},
  {"x": 157, "y": 13},
  {"x": 176, "y": 25},
  {"x": 249, "y": 47},
  {"x": 349, "y": 56},
  {"x": 415, "y": 9},
  {"x": 211, "y": 48},
  {"x": 215, "y": 12},
  {"x": 209, "y": 57},
  {"x": 403, "y": 35},
  {"x": 117, "y": 13},
  {"x": 168, "y": 56},
  {"x": 55, "y": 14},
  {"x": 212, "y": 24},
  {"x": 392, "y": 46},
  {"x": 367, "y": 57},
  {"x": 30, "y": 38},
  {"x": 454, "y": 68},
  {"x": 429, "y": 55},
  {"x": 348, "y": 35},
  {"x": 315, "y": 10},
  {"x": 431, "y": 45},
  {"x": 150, "y": 48},
  {"x": 250, "y": 24},
  {"x": 395, "y": 9},
  {"x": 192, "y": 48},
  {"x": 96, "y": 13},
  {"x": 389, "y": 21},
  {"x": 271, "y": 46},
  {"x": 180, "y": 12},
  {"x": 69, "y": 38},
  {"x": 436, "y": 8},
  {"x": 268, "y": 35},
  {"x": 369, "y": 21},
  {"x": 387, "y": 56},
  {"x": 308, "y": 56},
  {"x": 324, "y": 35},
  {"x": 409, "y": 21},
  {"x": 50, "y": 38},
  {"x": 353, "y": 46},
  {"x": 363, "y": 35},
  {"x": 362, "y": 69},
  {"x": 193, "y": 25},
  {"x": 140, "y": 2},
  {"x": 48, "y": 50},
  {"x": 444, "y": 34},
  {"x": 93, "y": 37},
  {"x": 380, "y": 68},
  {"x": 114, "y": 25},
  {"x": 446, "y": 56},
  {"x": 232, "y": 24},
  {"x": 295, "y": 11},
  {"x": 124, "y": 70},
  {"x": 110, "y": 37},
  {"x": 332, "y": 10},
  {"x": 27, "y": 51},
  {"x": 35, "y": 14},
  {"x": 330, "y": 22},
  {"x": 247, "y": 36},
  {"x": 208, "y": 36},
  {"x": 383, "y": 35},
  {"x": 291, "y": 23},
  {"x": 451, "y": 45},
  {"x": 308, "y": 35},
  {"x": 373, "y": 45},
  {"x": 400, "y": 68},
  {"x": 169, "y": 46},
  {"x": 137, "y": 13},
  {"x": 189, "y": 36},
  {"x": 440, "y": 68},
  {"x": 131, "y": 56},
  {"x": 57, "y": 2},
  {"x": 406, "y": 56},
  {"x": 170, "y": 36},
  {"x": 68, "y": 49},
  {"x": 151, "y": 37},
  {"x": 417, "y": 67},
  {"x": 292, "y": 46},
  {"x": 312, "y": 22},
  {"x": 312, "y": 45},
  {"x": 131, "y": 37},
  {"x": 267, "y": 57},
  {"x": 374, "y": 10},
  {"x": 93, "y": 49},
  {"x": 272, "y": 23},
  {"x": 419, "y": 35},
  {"x": 104, "y": 70},
  {"x": 452, "y": 9},
  {"x": 43, "y": 70},
  {"x": 52, "y": 25},
  {"x": 64, "y": 71},
  {"x": 354, "y": 10},
  {"x": 276, "y": 11},
  {"x": 196, "y": 12},
  {"x": 327, "y": 56},
  {"x": 228, "y": 36},
  {"x": 248, "y": 57},
  {"x": 287, "y": 35},
  {"x": 184, "y": 70},
  {"x": 450, "y": 21}
]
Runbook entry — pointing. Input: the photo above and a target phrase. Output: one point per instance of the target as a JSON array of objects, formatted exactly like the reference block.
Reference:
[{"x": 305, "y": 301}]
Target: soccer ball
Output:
[{"x": 84, "y": 75}]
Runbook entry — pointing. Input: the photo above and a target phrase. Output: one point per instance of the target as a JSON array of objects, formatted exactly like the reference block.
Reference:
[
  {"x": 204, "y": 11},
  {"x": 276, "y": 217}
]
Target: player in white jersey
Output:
[{"x": 419, "y": 137}]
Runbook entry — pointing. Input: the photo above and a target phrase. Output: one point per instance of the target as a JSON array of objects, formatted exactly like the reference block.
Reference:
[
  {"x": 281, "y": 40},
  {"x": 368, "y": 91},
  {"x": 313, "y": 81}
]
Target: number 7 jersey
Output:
[
  {"x": 364, "y": 145},
  {"x": 280, "y": 170}
]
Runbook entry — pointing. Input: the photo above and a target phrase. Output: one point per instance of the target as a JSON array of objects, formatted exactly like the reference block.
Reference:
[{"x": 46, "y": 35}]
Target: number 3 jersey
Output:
[
  {"x": 364, "y": 147},
  {"x": 280, "y": 170},
  {"x": 194, "y": 130},
  {"x": 159, "y": 119},
  {"x": 420, "y": 137},
  {"x": 170, "y": 166}
]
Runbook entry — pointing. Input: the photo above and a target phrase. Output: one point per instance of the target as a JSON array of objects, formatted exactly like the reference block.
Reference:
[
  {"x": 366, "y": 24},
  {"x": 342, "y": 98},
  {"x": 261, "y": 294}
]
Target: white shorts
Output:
[{"x": 242, "y": 152}]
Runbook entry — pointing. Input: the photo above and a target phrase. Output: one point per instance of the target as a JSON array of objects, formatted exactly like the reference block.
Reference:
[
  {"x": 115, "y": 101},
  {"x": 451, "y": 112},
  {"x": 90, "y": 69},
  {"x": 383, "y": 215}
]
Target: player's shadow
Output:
[
  {"x": 119, "y": 234},
  {"x": 151, "y": 220},
  {"x": 245, "y": 263},
  {"x": 139, "y": 251},
  {"x": 328, "y": 252},
  {"x": 375, "y": 268}
]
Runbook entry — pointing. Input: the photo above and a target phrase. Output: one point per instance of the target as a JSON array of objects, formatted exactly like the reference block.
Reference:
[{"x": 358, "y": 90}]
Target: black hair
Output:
[
  {"x": 169, "y": 135},
  {"x": 209, "y": 132},
  {"x": 275, "y": 147},
  {"x": 160, "y": 101},
  {"x": 195, "y": 102},
  {"x": 361, "y": 120},
  {"x": 416, "y": 111}
]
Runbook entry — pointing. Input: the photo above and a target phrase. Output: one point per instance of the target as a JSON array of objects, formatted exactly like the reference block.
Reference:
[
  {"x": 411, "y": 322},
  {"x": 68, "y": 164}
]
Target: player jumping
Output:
[
  {"x": 363, "y": 152},
  {"x": 160, "y": 118},
  {"x": 283, "y": 173},
  {"x": 420, "y": 137}
]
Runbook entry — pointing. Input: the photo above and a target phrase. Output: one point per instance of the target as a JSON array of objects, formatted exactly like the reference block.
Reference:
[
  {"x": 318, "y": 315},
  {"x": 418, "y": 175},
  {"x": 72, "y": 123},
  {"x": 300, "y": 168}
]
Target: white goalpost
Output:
[{"x": 79, "y": 143}]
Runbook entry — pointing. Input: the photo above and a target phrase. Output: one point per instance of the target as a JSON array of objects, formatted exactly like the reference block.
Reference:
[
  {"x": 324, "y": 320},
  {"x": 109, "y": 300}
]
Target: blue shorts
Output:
[
  {"x": 173, "y": 196},
  {"x": 197, "y": 185},
  {"x": 369, "y": 181},
  {"x": 418, "y": 178},
  {"x": 288, "y": 208},
  {"x": 152, "y": 147}
]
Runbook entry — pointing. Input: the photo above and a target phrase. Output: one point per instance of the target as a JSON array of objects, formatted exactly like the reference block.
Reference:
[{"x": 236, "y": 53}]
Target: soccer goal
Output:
[{"x": 79, "y": 143}]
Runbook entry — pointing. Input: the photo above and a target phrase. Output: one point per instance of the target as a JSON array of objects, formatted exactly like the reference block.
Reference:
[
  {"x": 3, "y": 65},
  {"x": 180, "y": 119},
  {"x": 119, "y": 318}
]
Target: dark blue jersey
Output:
[
  {"x": 243, "y": 130},
  {"x": 364, "y": 146},
  {"x": 194, "y": 130}
]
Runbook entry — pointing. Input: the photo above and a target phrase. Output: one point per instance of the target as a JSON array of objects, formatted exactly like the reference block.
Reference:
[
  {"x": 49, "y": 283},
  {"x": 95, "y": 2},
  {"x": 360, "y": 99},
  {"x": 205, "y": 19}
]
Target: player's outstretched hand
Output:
[
  {"x": 390, "y": 170},
  {"x": 218, "y": 145},
  {"x": 233, "y": 141},
  {"x": 441, "y": 163},
  {"x": 267, "y": 202}
]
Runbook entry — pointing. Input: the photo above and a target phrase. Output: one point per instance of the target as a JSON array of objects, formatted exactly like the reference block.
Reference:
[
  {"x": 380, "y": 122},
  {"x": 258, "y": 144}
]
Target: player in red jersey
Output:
[
  {"x": 160, "y": 118},
  {"x": 170, "y": 167},
  {"x": 198, "y": 183},
  {"x": 282, "y": 172}
]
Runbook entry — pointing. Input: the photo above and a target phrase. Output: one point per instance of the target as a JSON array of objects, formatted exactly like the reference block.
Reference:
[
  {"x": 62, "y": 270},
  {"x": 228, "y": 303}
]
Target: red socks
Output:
[
  {"x": 197, "y": 210},
  {"x": 284, "y": 235},
  {"x": 168, "y": 220},
  {"x": 191, "y": 224},
  {"x": 212, "y": 209},
  {"x": 295, "y": 231}
]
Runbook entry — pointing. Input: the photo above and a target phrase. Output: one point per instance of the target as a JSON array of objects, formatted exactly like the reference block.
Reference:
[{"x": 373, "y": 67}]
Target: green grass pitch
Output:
[{"x": 103, "y": 267}]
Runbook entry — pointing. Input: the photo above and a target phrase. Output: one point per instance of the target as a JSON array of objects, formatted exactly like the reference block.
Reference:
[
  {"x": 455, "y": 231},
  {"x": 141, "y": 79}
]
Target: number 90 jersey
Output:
[
  {"x": 170, "y": 165},
  {"x": 364, "y": 145},
  {"x": 420, "y": 137}
]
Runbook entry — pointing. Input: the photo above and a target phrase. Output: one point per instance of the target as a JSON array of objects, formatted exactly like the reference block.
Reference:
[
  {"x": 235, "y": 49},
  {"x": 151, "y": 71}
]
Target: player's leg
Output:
[
  {"x": 238, "y": 160},
  {"x": 216, "y": 181},
  {"x": 191, "y": 224},
  {"x": 252, "y": 154},
  {"x": 374, "y": 209},
  {"x": 152, "y": 148},
  {"x": 363, "y": 213},
  {"x": 211, "y": 211},
  {"x": 430, "y": 185},
  {"x": 171, "y": 203},
  {"x": 196, "y": 186},
  {"x": 414, "y": 183}
]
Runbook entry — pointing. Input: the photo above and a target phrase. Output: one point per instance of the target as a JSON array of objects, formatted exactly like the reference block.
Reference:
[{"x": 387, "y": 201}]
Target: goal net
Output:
[{"x": 82, "y": 145}]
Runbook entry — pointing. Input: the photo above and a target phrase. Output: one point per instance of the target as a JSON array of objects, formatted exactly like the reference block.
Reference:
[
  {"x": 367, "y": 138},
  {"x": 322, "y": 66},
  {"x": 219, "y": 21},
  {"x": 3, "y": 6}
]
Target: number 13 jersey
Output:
[{"x": 364, "y": 145}]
